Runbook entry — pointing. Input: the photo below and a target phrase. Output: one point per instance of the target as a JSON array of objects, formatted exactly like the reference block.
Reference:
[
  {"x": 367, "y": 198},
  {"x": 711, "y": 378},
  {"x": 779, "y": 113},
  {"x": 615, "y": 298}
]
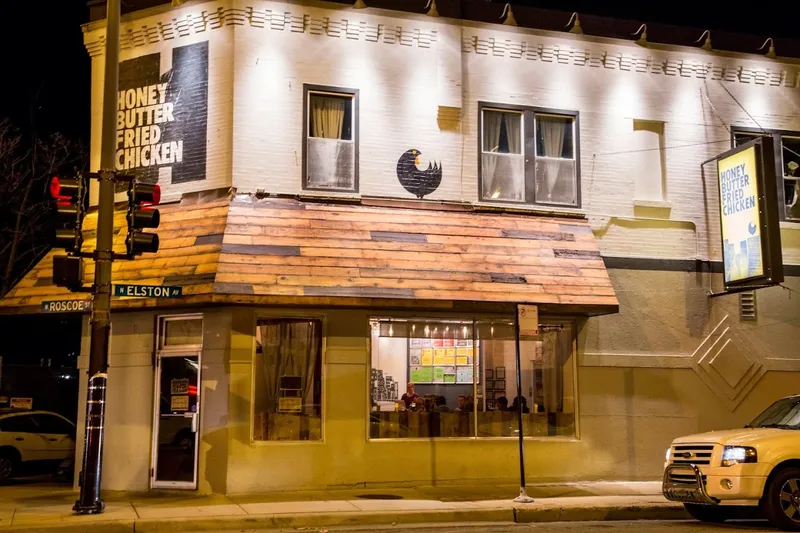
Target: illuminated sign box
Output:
[{"x": 750, "y": 231}]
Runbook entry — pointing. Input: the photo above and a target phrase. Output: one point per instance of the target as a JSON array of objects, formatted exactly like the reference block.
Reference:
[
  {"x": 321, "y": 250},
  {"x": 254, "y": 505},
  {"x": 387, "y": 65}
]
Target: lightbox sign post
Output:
[{"x": 750, "y": 231}]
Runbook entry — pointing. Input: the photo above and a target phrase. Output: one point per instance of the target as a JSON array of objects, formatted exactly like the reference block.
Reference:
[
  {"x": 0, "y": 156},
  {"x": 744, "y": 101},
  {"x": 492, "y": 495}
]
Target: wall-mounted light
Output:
[
  {"x": 359, "y": 4},
  {"x": 432, "y": 12},
  {"x": 642, "y": 40},
  {"x": 771, "y": 52},
  {"x": 509, "y": 16},
  {"x": 576, "y": 27},
  {"x": 707, "y": 43}
]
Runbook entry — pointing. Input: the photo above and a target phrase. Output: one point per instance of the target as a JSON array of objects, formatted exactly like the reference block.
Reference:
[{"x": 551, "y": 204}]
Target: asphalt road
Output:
[{"x": 558, "y": 527}]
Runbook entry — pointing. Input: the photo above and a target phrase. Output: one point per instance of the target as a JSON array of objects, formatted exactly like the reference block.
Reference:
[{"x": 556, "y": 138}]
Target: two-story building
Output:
[{"x": 356, "y": 199}]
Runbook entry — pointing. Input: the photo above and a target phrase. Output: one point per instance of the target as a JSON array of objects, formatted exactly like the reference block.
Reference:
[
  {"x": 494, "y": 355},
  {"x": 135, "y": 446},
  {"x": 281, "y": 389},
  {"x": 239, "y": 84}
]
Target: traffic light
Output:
[
  {"x": 141, "y": 214},
  {"x": 72, "y": 202}
]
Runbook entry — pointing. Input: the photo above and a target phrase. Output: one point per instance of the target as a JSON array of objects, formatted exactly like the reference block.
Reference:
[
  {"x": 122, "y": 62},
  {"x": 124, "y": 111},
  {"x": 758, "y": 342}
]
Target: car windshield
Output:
[{"x": 784, "y": 414}]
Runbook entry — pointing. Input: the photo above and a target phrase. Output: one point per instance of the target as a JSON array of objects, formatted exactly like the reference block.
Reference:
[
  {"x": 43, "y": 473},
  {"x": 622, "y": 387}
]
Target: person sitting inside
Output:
[
  {"x": 516, "y": 402},
  {"x": 501, "y": 403},
  {"x": 441, "y": 405},
  {"x": 410, "y": 397},
  {"x": 462, "y": 403},
  {"x": 465, "y": 404}
]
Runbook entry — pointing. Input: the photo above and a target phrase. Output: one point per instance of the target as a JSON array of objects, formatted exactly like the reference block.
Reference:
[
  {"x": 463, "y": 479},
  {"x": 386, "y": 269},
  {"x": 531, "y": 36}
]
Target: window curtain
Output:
[
  {"x": 327, "y": 117},
  {"x": 492, "y": 121},
  {"x": 552, "y": 132},
  {"x": 327, "y": 123},
  {"x": 289, "y": 348}
]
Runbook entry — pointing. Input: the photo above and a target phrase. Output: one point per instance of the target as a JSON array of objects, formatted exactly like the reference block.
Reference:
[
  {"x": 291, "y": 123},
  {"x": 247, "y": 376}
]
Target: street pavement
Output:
[{"x": 680, "y": 526}]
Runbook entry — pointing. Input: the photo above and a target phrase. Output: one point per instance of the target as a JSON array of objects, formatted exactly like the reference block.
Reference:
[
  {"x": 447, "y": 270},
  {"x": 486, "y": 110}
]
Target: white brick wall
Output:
[{"x": 406, "y": 66}]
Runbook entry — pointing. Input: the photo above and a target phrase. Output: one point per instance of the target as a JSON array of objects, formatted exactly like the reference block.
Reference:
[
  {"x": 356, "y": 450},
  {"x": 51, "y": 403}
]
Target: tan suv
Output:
[{"x": 756, "y": 468}]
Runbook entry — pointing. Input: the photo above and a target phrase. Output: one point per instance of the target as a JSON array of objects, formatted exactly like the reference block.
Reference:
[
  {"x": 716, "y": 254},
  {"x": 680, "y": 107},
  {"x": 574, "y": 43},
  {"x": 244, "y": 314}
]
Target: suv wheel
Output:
[
  {"x": 782, "y": 500},
  {"x": 8, "y": 464},
  {"x": 706, "y": 513}
]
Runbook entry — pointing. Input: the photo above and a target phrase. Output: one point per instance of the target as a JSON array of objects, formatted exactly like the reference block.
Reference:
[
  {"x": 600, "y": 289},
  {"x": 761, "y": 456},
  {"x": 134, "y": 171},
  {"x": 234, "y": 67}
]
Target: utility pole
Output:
[{"x": 100, "y": 322}]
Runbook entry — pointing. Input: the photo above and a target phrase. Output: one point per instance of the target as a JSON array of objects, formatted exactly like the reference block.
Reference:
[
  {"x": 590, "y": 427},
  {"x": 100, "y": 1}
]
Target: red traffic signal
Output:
[
  {"x": 140, "y": 215},
  {"x": 72, "y": 203}
]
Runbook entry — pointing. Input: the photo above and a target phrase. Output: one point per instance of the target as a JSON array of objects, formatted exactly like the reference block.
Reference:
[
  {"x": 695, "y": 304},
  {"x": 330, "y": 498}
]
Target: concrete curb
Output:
[{"x": 295, "y": 521}]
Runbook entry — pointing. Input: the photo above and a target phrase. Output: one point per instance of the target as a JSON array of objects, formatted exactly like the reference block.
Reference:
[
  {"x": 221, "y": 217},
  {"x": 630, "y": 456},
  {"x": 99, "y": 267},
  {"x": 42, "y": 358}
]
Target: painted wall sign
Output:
[
  {"x": 750, "y": 233},
  {"x": 162, "y": 115},
  {"x": 66, "y": 306},
  {"x": 418, "y": 182},
  {"x": 148, "y": 291}
]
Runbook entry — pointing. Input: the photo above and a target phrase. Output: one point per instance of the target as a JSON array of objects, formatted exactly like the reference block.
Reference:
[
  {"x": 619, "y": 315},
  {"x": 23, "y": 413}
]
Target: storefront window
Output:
[
  {"x": 458, "y": 379},
  {"x": 288, "y": 380}
]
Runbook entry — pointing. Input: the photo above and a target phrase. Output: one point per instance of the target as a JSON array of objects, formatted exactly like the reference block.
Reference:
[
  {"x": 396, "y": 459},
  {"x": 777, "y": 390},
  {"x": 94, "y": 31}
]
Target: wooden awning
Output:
[{"x": 289, "y": 252}]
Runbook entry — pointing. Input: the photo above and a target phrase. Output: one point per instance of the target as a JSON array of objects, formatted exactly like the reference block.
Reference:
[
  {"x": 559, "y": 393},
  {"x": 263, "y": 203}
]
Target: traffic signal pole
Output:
[{"x": 100, "y": 322}]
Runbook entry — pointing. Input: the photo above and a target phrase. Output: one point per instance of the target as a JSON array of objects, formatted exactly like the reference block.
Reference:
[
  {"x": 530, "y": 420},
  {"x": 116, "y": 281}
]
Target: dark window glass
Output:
[
  {"x": 55, "y": 425},
  {"x": 19, "y": 424}
]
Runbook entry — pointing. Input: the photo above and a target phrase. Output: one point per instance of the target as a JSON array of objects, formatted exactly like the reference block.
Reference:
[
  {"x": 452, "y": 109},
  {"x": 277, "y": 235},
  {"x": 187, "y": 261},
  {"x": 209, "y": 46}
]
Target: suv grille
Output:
[{"x": 692, "y": 454}]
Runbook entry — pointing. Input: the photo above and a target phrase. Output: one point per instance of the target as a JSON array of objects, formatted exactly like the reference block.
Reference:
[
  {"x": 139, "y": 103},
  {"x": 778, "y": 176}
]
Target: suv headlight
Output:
[
  {"x": 668, "y": 454},
  {"x": 738, "y": 454}
]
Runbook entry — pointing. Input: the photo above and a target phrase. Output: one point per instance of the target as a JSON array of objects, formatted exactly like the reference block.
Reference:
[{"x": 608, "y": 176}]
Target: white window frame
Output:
[{"x": 528, "y": 146}]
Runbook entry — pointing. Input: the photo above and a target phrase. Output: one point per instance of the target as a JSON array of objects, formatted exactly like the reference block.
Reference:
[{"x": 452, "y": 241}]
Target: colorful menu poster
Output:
[
  {"x": 449, "y": 378},
  {"x": 448, "y": 342},
  {"x": 415, "y": 357},
  {"x": 416, "y": 343},
  {"x": 421, "y": 374},
  {"x": 439, "y": 356},
  {"x": 427, "y": 357},
  {"x": 437, "y": 343},
  {"x": 438, "y": 374},
  {"x": 464, "y": 374},
  {"x": 464, "y": 351},
  {"x": 462, "y": 360}
]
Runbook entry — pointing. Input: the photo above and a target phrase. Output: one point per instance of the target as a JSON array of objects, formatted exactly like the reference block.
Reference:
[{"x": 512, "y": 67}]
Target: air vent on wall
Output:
[{"x": 747, "y": 305}]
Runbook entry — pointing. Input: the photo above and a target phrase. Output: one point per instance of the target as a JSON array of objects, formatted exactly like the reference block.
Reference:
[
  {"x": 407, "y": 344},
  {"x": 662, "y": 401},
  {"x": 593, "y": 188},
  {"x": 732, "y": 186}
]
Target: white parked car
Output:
[
  {"x": 755, "y": 469},
  {"x": 28, "y": 437}
]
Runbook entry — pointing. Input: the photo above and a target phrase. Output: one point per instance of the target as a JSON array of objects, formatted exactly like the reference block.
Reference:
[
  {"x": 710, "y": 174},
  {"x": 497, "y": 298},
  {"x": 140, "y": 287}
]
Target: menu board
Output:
[
  {"x": 421, "y": 374},
  {"x": 447, "y": 361}
]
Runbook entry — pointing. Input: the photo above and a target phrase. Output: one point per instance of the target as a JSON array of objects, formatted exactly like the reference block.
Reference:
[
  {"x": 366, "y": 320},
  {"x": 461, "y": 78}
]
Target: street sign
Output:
[
  {"x": 148, "y": 291},
  {"x": 22, "y": 403},
  {"x": 528, "y": 316},
  {"x": 67, "y": 306}
]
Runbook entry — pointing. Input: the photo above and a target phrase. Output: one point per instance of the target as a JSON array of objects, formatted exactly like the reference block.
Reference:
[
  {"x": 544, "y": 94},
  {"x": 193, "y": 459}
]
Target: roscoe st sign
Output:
[{"x": 66, "y": 306}]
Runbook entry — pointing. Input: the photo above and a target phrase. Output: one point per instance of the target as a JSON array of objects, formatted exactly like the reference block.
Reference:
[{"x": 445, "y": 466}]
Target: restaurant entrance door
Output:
[{"x": 176, "y": 421}]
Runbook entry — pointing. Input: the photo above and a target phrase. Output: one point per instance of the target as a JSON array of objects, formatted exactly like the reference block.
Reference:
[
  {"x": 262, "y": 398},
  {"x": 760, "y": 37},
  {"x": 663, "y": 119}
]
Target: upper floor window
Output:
[
  {"x": 529, "y": 156},
  {"x": 787, "y": 164},
  {"x": 330, "y": 135}
]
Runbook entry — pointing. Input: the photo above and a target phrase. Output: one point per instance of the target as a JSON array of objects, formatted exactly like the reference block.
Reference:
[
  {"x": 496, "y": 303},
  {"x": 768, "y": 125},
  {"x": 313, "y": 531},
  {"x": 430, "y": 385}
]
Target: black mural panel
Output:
[
  {"x": 418, "y": 182},
  {"x": 162, "y": 120}
]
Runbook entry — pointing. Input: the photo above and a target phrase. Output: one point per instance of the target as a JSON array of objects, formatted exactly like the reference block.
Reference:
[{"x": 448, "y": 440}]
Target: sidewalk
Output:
[{"x": 48, "y": 508}]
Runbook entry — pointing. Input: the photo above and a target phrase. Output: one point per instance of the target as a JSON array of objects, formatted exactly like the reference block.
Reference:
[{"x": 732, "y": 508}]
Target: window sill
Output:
[
  {"x": 554, "y": 438},
  {"x": 510, "y": 207},
  {"x": 652, "y": 204},
  {"x": 789, "y": 224}
]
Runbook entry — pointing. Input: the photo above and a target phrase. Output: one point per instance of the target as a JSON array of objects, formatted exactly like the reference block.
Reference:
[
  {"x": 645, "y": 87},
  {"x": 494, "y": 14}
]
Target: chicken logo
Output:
[{"x": 418, "y": 182}]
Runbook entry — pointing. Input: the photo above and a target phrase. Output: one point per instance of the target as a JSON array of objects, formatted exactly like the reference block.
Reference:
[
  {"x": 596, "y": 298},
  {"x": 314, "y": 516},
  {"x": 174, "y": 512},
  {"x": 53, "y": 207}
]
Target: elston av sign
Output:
[
  {"x": 148, "y": 291},
  {"x": 751, "y": 242}
]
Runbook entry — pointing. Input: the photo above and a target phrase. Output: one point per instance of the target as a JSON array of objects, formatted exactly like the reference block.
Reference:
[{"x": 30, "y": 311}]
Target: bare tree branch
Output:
[{"x": 26, "y": 168}]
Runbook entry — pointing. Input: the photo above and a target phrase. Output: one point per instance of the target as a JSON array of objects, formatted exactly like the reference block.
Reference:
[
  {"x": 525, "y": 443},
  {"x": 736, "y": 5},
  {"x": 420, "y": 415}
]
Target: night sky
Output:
[{"x": 46, "y": 83}]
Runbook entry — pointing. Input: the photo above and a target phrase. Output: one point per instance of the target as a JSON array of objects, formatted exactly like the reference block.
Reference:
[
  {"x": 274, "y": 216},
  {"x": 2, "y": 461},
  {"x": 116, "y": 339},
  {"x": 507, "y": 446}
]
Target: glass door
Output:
[{"x": 176, "y": 421}]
